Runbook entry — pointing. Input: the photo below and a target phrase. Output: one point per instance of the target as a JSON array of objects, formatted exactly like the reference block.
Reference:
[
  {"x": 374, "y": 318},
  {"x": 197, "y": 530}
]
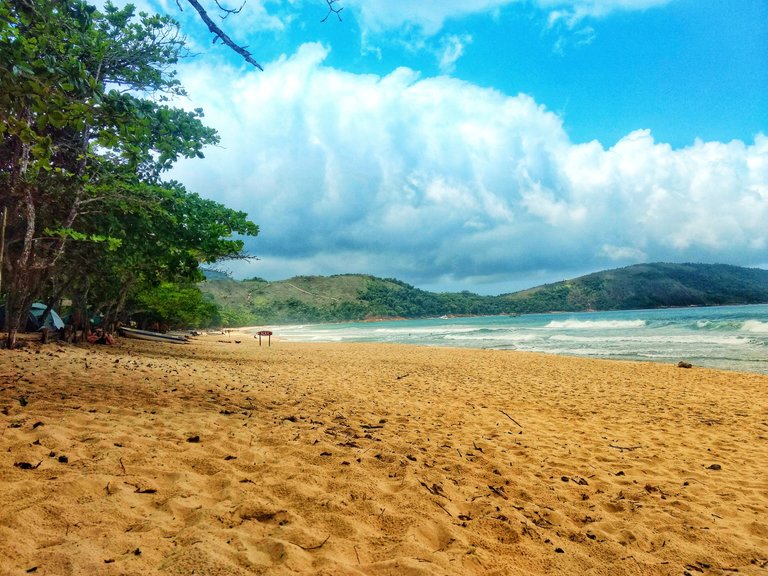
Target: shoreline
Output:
[
  {"x": 726, "y": 338},
  {"x": 363, "y": 458},
  {"x": 510, "y": 314}
]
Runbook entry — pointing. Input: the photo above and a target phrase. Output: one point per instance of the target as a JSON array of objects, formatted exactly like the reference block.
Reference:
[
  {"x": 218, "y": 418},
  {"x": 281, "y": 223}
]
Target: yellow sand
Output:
[{"x": 229, "y": 458}]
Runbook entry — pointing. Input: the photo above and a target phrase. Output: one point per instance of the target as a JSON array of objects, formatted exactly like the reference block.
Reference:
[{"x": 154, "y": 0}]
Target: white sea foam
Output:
[
  {"x": 500, "y": 335},
  {"x": 755, "y": 326},
  {"x": 423, "y": 330},
  {"x": 691, "y": 339},
  {"x": 729, "y": 337},
  {"x": 595, "y": 324}
]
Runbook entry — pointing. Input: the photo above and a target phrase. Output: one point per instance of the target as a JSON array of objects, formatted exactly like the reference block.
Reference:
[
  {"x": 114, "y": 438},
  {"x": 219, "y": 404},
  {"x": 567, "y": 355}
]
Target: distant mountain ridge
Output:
[
  {"x": 350, "y": 297},
  {"x": 656, "y": 285}
]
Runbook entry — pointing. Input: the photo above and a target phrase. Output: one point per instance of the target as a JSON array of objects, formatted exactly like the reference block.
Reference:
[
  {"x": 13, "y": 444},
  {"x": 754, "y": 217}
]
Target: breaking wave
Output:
[
  {"x": 755, "y": 326},
  {"x": 595, "y": 324}
]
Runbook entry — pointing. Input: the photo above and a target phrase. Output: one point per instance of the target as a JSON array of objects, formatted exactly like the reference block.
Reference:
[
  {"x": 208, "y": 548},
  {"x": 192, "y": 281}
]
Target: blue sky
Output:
[
  {"x": 487, "y": 145},
  {"x": 687, "y": 69}
]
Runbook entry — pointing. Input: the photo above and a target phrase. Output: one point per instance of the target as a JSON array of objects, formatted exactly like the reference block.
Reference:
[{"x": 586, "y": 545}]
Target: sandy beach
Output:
[{"x": 223, "y": 457}]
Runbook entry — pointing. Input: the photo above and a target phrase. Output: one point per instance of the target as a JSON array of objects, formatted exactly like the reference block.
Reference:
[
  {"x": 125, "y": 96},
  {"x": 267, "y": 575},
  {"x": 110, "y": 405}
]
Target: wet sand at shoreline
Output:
[{"x": 220, "y": 457}]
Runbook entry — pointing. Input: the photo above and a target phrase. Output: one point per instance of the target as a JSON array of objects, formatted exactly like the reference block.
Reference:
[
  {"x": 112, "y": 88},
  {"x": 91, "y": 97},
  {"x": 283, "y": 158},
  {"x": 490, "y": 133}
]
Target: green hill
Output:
[
  {"x": 648, "y": 286},
  {"x": 350, "y": 297},
  {"x": 337, "y": 298}
]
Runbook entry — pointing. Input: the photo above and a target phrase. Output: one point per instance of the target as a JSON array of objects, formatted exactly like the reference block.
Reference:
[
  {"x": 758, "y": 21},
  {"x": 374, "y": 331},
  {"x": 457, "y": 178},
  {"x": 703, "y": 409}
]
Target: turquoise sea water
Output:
[{"x": 726, "y": 337}]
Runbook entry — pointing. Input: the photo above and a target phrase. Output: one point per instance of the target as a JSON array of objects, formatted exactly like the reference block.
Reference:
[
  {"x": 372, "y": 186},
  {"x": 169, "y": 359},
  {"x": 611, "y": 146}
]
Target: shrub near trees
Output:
[{"x": 86, "y": 133}]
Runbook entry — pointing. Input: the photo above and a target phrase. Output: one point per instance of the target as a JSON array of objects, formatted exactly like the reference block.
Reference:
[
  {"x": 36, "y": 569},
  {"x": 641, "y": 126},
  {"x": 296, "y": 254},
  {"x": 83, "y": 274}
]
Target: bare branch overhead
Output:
[
  {"x": 219, "y": 33},
  {"x": 228, "y": 11},
  {"x": 332, "y": 10}
]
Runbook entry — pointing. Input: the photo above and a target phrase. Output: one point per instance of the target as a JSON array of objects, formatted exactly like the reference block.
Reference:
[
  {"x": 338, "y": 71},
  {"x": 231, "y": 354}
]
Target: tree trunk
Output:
[
  {"x": 20, "y": 289},
  {"x": 17, "y": 307},
  {"x": 19, "y": 297},
  {"x": 28, "y": 263},
  {"x": 80, "y": 311},
  {"x": 3, "y": 225}
]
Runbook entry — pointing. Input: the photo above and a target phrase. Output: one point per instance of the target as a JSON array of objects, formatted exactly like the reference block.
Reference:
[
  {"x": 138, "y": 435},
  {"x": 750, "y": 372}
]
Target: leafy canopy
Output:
[{"x": 87, "y": 130}]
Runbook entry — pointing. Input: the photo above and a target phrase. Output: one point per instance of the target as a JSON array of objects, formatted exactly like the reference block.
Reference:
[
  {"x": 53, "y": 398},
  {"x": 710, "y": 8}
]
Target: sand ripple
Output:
[{"x": 225, "y": 458}]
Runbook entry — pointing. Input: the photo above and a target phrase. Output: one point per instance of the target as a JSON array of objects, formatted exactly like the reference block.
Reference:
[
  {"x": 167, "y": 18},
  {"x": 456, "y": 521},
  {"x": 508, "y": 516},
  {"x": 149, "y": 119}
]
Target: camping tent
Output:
[
  {"x": 34, "y": 319},
  {"x": 53, "y": 321}
]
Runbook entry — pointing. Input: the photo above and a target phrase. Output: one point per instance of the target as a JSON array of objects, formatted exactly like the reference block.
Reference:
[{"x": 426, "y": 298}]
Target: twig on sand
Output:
[
  {"x": 444, "y": 508},
  {"x": 313, "y": 547},
  {"x": 498, "y": 491},
  {"x": 140, "y": 490},
  {"x": 435, "y": 489},
  {"x": 624, "y": 448},
  {"x": 510, "y": 417}
]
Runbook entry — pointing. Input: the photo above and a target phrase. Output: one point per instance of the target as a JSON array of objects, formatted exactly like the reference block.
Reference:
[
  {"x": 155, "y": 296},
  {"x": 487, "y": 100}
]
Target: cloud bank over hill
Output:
[{"x": 443, "y": 183}]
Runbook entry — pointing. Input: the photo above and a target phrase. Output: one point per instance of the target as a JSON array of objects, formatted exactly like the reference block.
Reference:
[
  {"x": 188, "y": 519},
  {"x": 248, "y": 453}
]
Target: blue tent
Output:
[
  {"x": 34, "y": 320},
  {"x": 53, "y": 321}
]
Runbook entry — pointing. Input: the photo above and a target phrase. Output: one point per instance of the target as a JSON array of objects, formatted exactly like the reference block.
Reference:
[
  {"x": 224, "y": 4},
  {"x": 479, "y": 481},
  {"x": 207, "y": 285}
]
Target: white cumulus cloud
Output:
[
  {"x": 451, "y": 49},
  {"x": 440, "y": 182}
]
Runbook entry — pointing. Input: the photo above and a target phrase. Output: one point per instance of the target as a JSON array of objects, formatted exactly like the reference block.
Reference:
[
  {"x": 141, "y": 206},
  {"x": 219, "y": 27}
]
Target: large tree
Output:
[
  {"x": 157, "y": 234},
  {"x": 84, "y": 122}
]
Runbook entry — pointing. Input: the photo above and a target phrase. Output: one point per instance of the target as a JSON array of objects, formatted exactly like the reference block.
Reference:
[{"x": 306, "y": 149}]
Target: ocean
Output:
[{"x": 725, "y": 337}]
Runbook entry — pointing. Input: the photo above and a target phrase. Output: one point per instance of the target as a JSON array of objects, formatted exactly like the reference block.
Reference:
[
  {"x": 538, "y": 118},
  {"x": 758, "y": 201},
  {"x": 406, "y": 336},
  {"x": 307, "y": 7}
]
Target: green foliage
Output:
[
  {"x": 165, "y": 233},
  {"x": 112, "y": 243},
  {"x": 85, "y": 136},
  {"x": 176, "y": 305},
  {"x": 338, "y": 298}
]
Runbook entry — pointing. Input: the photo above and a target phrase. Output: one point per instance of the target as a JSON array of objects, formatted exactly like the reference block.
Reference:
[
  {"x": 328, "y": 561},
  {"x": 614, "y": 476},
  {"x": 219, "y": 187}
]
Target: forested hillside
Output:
[
  {"x": 337, "y": 298},
  {"x": 648, "y": 286},
  {"x": 358, "y": 297}
]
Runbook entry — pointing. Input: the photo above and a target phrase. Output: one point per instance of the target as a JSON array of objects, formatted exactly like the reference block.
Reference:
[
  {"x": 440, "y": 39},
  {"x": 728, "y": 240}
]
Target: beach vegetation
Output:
[
  {"x": 87, "y": 131},
  {"x": 174, "y": 305}
]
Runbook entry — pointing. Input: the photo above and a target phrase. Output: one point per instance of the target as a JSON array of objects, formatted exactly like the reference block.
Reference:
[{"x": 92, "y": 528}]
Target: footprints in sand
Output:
[{"x": 375, "y": 460}]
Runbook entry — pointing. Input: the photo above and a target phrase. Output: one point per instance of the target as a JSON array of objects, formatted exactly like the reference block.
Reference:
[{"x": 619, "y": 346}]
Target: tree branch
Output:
[
  {"x": 219, "y": 33},
  {"x": 228, "y": 11},
  {"x": 332, "y": 10}
]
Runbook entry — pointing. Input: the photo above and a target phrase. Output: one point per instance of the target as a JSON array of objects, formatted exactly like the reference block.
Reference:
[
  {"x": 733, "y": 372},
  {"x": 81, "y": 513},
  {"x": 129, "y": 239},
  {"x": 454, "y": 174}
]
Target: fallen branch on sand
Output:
[
  {"x": 624, "y": 448},
  {"x": 510, "y": 417},
  {"x": 313, "y": 547},
  {"x": 435, "y": 490},
  {"x": 444, "y": 509},
  {"x": 498, "y": 491},
  {"x": 140, "y": 490}
]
